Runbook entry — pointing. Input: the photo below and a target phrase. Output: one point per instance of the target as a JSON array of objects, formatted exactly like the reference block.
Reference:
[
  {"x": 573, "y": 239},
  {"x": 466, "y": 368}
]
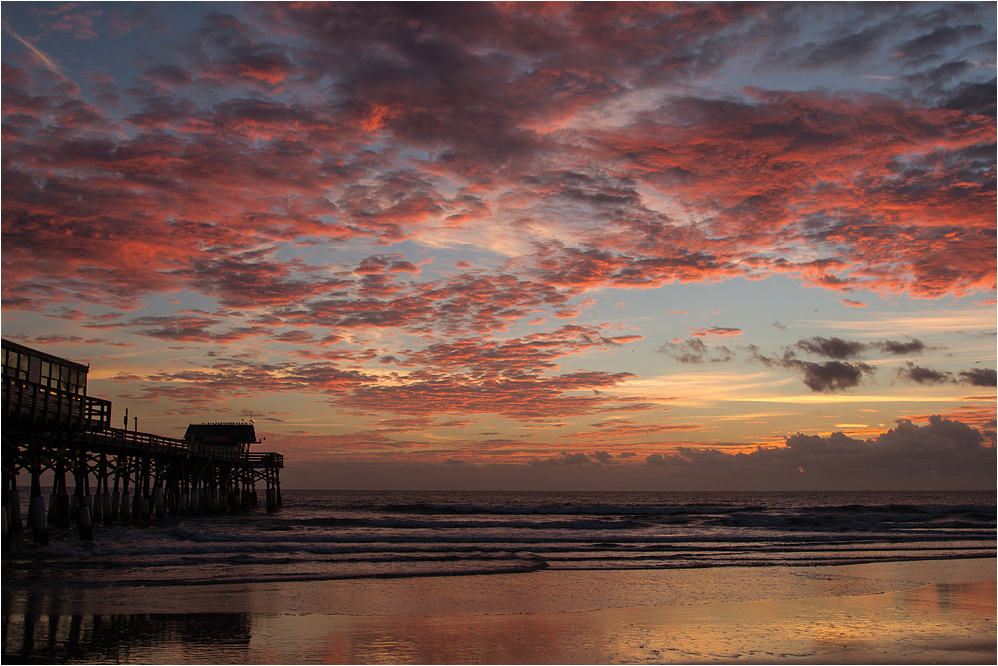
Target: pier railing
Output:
[
  {"x": 141, "y": 442},
  {"x": 42, "y": 404},
  {"x": 275, "y": 460}
]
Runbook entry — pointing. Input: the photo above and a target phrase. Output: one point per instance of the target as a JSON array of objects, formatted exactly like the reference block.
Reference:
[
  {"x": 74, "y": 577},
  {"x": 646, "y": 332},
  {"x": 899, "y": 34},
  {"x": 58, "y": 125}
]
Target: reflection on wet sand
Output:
[
  {"x": 489, "y": 639},
  {"x": 942, "y": 623},
  {"x": 154, "y": 638},
  {"x": 857, "y": 614}
]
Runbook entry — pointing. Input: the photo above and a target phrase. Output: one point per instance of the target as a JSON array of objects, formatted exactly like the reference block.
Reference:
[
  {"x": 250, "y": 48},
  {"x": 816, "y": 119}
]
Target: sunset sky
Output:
[{"x": 474, "y": 245}]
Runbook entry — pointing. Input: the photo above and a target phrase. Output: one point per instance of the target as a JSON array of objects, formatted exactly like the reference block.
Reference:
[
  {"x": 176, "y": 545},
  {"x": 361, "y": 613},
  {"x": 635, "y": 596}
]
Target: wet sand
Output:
[{"x": 914, "y": 612}]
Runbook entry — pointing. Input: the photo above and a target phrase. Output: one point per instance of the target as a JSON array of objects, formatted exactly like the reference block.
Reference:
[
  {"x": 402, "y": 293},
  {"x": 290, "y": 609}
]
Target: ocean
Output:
[
  {"x": 503, "y": 577},
  {"x": 335, "y": 535}
]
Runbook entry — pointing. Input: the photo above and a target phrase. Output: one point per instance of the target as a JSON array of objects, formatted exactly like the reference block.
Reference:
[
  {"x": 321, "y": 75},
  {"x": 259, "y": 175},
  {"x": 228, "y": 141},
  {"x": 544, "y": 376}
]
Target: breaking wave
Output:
[{"x": 323, "y": 535}]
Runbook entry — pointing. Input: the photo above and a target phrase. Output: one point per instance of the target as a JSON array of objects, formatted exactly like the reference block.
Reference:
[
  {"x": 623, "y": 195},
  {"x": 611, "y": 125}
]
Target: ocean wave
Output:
[{"x": 328, "y": 536}]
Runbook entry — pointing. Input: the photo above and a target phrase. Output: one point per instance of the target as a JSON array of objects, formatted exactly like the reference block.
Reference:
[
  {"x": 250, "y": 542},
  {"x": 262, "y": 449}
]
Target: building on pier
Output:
[
  {"x": 51, "y": 424},
  {"x": 237, "y": 436},
  {"x": 45, "y": 390}
]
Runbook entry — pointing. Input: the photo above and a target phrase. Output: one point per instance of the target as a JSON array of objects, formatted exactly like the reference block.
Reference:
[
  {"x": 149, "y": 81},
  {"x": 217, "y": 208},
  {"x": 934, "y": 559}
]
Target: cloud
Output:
[
  {"x": 979, "y": 377},
  {"x": 657, "y": 460},
  {"x": 831, "y": 375},
  {"x": 621, "y": 430},
  {"x": 839, "y": 349},
  {"x": 289, "y": 168},
  {"x": 929, "y": 46},
  {"x": 177, "y": 194},
  {"x": 72, "y": 18},
  {"x": 514, "y": 357},
  {"x": 835, "y": 348},
  {"x": 899, "y": 348},
  {"x": 716, "y": 332},
  {"x": 189, "y": 327},
  {"x": 976, "y": 98},
  {"x": 214, "y": 384},
  {"x": 943, "y": 452},
  {"x": 972, "y": 377},
  {"x": 55, "y": 339},
  {"x": 565, "y": 458},
  {"x": 523, "y": 398},
  {"x": 694, "y": 350},
  {"x": 921, "y": 375}
]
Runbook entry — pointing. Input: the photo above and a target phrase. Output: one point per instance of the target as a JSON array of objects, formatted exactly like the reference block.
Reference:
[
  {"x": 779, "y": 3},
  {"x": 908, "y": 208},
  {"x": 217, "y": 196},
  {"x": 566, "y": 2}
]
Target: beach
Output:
[{"x": 933, "y": 611}]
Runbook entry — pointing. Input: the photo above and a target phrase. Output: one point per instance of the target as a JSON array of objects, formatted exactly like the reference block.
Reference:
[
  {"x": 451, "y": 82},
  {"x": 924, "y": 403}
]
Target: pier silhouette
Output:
[{"x": 50, "y": 424}]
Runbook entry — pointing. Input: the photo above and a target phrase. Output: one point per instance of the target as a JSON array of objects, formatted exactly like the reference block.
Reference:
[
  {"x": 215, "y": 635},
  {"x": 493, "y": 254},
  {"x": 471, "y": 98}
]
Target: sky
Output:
[{"x": 519, "y": 246}]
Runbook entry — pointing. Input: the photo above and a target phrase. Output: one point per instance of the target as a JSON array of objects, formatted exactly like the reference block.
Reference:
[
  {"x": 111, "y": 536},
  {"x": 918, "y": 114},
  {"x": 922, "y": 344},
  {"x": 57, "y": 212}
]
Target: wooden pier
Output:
[{"x": 50, "y": 424}]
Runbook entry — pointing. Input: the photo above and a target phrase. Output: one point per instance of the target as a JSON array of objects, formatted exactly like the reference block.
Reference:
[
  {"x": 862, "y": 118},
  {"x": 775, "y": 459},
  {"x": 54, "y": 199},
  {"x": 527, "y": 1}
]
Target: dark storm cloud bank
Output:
[
  {"x": 941, "y": 454},
  {"x": 916, "y": 454}
]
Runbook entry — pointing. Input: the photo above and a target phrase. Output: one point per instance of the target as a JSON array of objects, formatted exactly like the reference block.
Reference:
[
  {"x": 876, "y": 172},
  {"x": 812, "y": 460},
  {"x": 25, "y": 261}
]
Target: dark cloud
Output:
[
  {"x": 656, "y": 459},
  {"x": 921, "y": 375},
  {"x": 168, "y": 75},
  {"x": 899, "y": 348},
  {"x": 976, "y": 98},
  {"x": 565, "y": 458},
  {"x": 940, "y": 453},
  {"x": 835, "y": 348},
  {"x": 694, "y": 350},
  {"x": 842, "y": 50},
  {"x": 972, "y": 377},
  {"x": 931, "y": 45},
  {"x": 831, "y": 375},
  {"x": 190, "y": 327},
  {"x": 979, "y": 377},
  {"x": 839, "y": 349},
  {"x": 48, "y": 340},
  {"x": 837, "y": 375}
]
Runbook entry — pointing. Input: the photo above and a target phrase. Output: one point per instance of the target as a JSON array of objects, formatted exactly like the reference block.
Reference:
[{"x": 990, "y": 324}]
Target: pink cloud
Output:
[{"x": 716, "y": 332}]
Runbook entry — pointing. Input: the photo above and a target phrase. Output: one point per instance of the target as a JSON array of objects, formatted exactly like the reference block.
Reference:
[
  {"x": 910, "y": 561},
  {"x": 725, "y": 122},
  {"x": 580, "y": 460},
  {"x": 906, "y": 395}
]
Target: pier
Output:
[{"x": 50, "y": 424}]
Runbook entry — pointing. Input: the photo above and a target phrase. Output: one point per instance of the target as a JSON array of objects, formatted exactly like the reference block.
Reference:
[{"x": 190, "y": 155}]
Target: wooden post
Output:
[
  {"x": 36, "y": 508},
  {"x": 103, "y": 488},
  {"x": 82, "y": 493},
  {"x": 115, "y": 498},
  {"x": 125, "y": 511},
  {"x": 59, "y": 501},
  {"x": 11, "y": 503}
]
